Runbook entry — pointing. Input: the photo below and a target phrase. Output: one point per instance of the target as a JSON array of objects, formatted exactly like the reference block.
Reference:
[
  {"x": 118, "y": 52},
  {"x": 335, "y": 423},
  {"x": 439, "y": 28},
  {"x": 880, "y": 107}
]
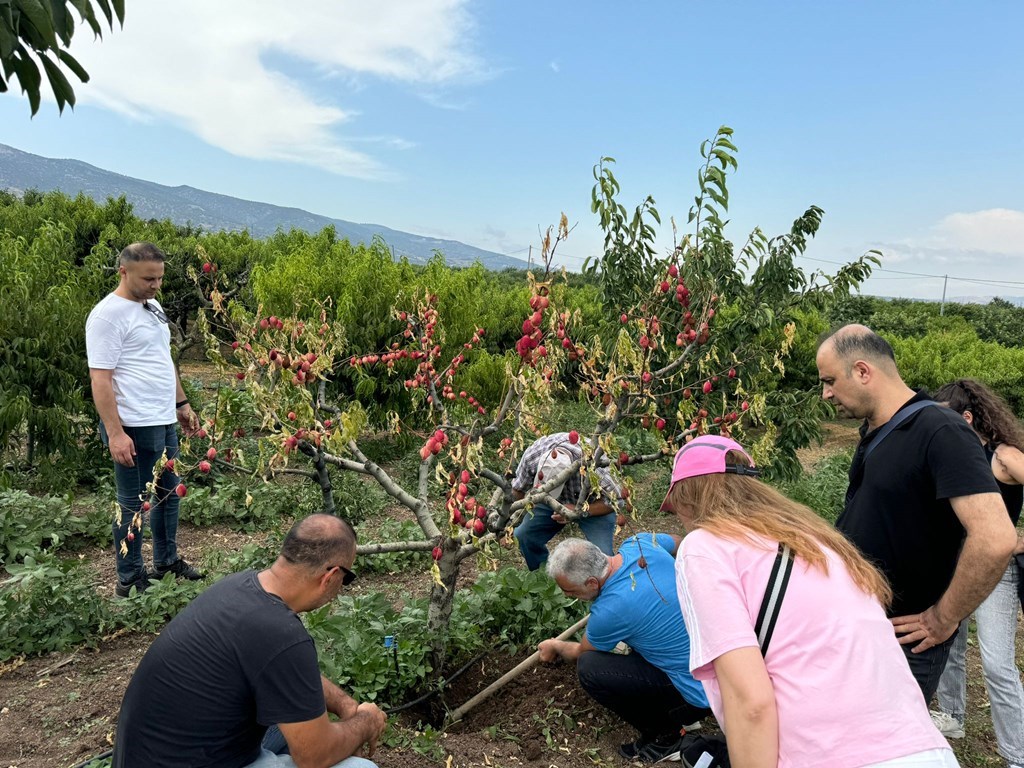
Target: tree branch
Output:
[{"x": 419, "y": 507}]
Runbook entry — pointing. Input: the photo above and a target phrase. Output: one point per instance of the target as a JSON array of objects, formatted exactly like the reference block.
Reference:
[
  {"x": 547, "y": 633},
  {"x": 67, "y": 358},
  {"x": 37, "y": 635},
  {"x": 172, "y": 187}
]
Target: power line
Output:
[{"x": 1012, "y": 283}]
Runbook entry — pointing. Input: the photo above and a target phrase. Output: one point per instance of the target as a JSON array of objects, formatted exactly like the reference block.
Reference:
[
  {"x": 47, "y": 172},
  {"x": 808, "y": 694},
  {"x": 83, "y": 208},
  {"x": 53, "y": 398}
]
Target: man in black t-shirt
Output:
[
  {"x": 238, "y": 660},
  {"x": 917, "y": 486}
]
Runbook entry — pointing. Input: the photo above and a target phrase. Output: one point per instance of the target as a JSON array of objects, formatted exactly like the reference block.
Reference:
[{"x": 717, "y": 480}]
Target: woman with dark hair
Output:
[
  {"x": 833, "y": 688},
  {"x": 1003, "y": 438}
]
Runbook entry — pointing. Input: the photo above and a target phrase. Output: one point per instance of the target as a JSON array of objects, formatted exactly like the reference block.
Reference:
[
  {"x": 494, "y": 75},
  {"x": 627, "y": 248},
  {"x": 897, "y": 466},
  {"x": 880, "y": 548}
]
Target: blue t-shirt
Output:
[{"x": 638, "y": 606}]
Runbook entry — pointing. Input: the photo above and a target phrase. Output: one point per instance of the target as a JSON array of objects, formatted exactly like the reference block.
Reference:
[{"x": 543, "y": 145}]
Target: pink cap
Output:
[{"x": 705, "y": 455}]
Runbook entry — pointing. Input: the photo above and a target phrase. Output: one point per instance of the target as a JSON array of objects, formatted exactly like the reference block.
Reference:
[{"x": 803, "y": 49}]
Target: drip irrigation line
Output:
[{"x": 430, "y": 694}]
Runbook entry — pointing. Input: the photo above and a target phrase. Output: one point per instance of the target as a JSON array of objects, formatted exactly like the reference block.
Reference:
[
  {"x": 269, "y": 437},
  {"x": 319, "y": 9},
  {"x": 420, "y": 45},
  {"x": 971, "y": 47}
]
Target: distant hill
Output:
[{"x": 20, "y": 171}]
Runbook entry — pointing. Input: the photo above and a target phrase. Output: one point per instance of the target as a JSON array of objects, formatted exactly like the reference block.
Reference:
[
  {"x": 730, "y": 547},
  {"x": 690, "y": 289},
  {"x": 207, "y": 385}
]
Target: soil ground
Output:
[{"x": 57, "y": 711}]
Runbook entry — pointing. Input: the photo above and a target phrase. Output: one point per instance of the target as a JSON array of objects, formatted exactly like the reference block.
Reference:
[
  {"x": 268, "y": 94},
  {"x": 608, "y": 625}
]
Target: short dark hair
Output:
[
  {"x": 854, "y": 342},
  {"x": 319, "y": 540},
  {"x": 140, "y": 252}
]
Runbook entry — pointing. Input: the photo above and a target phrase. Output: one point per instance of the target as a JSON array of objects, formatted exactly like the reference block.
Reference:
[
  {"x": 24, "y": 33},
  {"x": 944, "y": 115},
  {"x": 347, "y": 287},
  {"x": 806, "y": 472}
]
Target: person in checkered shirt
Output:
[{"x": 542, "y": 461}]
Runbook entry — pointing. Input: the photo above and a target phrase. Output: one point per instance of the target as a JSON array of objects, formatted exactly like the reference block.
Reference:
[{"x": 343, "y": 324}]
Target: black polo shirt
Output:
[{"x": 897, "y": 505}]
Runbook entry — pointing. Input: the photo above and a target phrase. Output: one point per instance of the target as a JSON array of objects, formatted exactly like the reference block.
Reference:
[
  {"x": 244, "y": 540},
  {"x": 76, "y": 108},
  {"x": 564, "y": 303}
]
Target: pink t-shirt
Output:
[{"x": 843, "y": 689}]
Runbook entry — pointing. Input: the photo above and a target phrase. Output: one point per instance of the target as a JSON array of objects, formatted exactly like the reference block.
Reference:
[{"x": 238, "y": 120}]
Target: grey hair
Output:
[
  {"x": 577, "y": 560},
  {"x": 141, "y": 252}
]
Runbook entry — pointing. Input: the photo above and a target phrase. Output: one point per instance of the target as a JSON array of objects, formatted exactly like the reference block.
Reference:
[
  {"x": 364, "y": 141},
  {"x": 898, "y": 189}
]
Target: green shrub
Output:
[
  {"x": 954, "y": 352},
  {"x": 824, "y": 488},
  {"x": 164, "y": 600},
  {"x": 48, "y": 605},
  {"x": 31, "y": 523},
  {"x": 392, "y": 562},
  {"x": 249, "y": 506},
  {"x": 518, "y": 607}
]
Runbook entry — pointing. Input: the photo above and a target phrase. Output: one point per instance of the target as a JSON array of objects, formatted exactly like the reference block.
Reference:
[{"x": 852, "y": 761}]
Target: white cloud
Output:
[
  {"x": 997, "y": 230},
  {"x": 202, "y": 65}
]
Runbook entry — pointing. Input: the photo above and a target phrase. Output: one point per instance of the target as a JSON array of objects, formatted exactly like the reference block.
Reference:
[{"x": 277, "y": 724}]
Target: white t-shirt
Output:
[
  {"x": 122, "y": 336},
  {"x": 843, "y": 688}
]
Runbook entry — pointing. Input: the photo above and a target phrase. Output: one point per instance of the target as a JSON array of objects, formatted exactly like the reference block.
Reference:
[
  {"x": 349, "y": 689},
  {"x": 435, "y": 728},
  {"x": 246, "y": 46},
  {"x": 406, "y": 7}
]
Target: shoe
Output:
[
  {"x": 948, "y": 725},
  {"x": 180, "y": 569},
  {"x": 666, "y": 749},
  {"x": 141, "y": 584}
]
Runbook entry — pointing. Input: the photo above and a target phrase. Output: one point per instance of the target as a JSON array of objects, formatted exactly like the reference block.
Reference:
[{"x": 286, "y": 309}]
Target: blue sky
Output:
[{"x": 481, "y": 121}]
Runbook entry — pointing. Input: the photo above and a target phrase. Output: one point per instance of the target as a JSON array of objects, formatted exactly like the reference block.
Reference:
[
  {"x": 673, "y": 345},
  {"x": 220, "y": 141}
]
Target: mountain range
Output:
[{"x": 20, "y": 171}]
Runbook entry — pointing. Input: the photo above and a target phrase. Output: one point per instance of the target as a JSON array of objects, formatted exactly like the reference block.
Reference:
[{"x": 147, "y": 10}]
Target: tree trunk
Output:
[
  {"x": 439, "y": 613},
  {"x": 323, "y": 477}
]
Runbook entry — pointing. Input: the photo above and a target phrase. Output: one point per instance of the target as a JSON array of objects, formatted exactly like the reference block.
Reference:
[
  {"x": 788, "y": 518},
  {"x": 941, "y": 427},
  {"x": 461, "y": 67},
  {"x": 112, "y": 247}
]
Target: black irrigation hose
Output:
[
  {"x": 431, "y": 694},
  {"x": 393, "y": 710}
]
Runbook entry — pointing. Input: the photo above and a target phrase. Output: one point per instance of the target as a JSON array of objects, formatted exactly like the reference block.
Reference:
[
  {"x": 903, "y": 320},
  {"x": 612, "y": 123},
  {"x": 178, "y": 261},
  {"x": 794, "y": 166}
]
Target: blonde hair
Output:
[{"x": 738, "y": 507}]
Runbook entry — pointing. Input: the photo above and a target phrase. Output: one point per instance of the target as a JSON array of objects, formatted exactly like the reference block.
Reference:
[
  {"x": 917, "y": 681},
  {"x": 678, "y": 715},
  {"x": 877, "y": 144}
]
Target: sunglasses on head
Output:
[
  {"x": 347, "y": 576},
  {"x": 154, "y": 310}
]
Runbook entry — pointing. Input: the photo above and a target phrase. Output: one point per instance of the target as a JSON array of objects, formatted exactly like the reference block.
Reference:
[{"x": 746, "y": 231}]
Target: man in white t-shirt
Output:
[{"x": 139, "y": 398}]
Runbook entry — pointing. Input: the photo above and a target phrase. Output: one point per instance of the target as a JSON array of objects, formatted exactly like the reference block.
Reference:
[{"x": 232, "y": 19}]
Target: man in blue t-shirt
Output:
[{"x": 634, "y": 602}]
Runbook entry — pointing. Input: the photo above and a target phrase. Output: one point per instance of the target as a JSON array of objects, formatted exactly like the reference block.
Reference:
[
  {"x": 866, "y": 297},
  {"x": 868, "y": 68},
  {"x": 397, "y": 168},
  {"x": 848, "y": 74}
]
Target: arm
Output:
[
  {"x": 186, "y": 416},
  {"x": 319, "y": 743},
  {"x": 1009, "y": 468},
  {"x": 553, "y": 650},
  {"x": 338, "y": 702},
  {"x": 986, "y": 551},
  {"x": 748, "y": 698},
  {"x": 122, "y": 448}
]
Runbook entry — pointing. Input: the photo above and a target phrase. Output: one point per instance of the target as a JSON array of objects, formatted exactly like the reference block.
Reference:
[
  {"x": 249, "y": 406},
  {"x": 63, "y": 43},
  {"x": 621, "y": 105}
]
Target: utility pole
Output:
[
  {"x": 942, "y": 306},
  {"x": 529, "y": 259}
]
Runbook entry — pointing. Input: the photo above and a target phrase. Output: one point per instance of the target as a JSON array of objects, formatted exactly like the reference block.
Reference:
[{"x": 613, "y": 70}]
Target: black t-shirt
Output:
[
  {"x": 236, "y": 661},
  {"x": 897, "y": 506}
]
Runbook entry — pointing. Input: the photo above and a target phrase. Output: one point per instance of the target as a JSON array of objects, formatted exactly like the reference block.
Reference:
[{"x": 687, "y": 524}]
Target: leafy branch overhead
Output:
[{"x": 34, "y": 32}]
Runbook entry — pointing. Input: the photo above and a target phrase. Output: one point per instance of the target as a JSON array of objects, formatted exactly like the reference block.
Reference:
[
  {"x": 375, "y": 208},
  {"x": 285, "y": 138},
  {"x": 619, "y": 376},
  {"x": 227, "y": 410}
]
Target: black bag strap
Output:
[
  {"x": 772, "y": 602},
  {"x": 899, "y": 417}
]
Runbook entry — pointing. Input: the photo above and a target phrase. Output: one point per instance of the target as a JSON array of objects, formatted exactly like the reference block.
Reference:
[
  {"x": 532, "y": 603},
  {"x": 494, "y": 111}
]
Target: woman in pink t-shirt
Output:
[{"x": 834, "y": 688}]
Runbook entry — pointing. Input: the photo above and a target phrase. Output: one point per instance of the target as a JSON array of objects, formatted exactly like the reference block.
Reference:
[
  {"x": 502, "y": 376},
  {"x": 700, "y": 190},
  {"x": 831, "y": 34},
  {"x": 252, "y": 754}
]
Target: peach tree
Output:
[{"x": 693, "y": 340}]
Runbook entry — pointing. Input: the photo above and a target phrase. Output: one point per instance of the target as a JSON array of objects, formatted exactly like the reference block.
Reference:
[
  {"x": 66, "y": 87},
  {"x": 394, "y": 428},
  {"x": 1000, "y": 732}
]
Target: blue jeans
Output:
[
  {"x": 150, "y": 445},
  {"x": 927, "y": 666},
  {"x": 997, "y": 629},
  {"x": 275, "y": 754},
  {"x": 537, "y": 528}
]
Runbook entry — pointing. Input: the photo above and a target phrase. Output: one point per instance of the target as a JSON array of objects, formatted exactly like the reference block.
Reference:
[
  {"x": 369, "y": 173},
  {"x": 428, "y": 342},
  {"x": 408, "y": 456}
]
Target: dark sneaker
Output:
[
  {"x": 141, "y": 584},
  {"x": 180, "y": 569},
  {"x": 667, "y": 749}
]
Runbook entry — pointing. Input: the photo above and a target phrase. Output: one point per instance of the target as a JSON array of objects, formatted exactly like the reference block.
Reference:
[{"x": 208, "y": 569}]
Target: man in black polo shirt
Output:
[
  {"x": 238, "y": 660},
  {"x": 917, "y": 486}
]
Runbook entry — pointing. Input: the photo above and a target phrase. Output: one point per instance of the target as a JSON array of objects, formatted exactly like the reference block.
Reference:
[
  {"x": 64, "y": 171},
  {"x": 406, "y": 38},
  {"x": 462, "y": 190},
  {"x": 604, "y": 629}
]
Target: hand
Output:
[
  {"x": 122, "y": 449},
  {"x": 559, "y": 518},
  {"x": 376, "y": 720},
  {"x": 1019, "y": 549},
  {"x": 548, "y": 651},
  {"x": 188, "y": 420},
  {"x": 926, "y": 629}
]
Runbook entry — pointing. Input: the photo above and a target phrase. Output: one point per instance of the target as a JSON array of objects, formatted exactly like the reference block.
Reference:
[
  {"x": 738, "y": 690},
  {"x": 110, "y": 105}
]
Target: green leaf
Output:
[
  {"x": 40, "y": 17},
  {"x": 63, "y": 24},
  {"x": 73, "y": 65},
  {"x": 28, "y": 77},
  {"x": 85, "y": 10},
  {"x": 62, "y": 89}
]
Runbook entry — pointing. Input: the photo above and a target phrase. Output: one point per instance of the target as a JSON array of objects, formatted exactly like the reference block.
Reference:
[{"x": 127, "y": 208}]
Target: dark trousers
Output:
[
  {"x": 638, "y": 692},
  {"x": 146, "y": 481},
  {"x": 927, "y": 666}
]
